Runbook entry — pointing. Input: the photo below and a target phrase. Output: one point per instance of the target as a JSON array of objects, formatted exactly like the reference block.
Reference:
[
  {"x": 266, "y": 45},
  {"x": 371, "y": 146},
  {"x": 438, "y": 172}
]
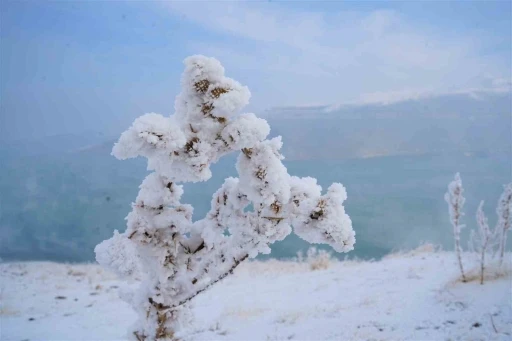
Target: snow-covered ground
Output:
[{"x": 413, "y": 296}]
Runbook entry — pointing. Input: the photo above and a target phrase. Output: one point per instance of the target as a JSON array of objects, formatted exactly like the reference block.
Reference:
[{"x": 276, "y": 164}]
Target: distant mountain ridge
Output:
[{"x": 472, "y": 122}]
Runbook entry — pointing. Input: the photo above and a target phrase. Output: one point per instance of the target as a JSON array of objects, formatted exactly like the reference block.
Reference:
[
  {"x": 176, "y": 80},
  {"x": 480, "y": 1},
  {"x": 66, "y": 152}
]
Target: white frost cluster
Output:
[
  {"x": 317, "y": 218},
  {"x": 118, "y": 255},
  {"x": 179, "y": 258}
]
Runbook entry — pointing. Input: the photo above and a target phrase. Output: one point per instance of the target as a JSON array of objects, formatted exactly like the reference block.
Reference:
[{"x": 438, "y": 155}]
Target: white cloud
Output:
[
  {"x": 294, "y": 57},
  {"x": 379, "y": 23}
]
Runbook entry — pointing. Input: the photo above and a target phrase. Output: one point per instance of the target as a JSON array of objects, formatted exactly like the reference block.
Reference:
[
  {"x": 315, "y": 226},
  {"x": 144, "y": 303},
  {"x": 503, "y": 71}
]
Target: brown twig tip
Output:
[
  {"x": 319, "y": 210},
  {"x": 207, "y": 108},
  {"x": 189, "y": 146},
  {"x": 276, "y": 206},
  {"x": 261, "y": 173},
  {"x": 158, "y": 306},
  {"x": 219, "y": 91},
  {"x": 247, "y": 152},
  {"x": 202, "y": 86}
]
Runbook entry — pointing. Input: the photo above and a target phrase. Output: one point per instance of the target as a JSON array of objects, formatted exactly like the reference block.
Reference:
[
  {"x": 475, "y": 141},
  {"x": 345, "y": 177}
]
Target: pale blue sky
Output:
[{"x": 74, "y": 66}]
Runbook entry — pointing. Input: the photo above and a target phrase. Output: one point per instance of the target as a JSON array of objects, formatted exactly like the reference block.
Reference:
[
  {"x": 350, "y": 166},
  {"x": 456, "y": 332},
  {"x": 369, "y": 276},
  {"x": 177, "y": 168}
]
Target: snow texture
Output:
[
  {"x": 414, "y": 296},
  {"x": 178, "y": 258}
]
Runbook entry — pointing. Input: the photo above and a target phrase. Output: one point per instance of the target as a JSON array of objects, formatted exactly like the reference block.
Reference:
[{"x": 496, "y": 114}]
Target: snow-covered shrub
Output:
[
  {"x": 455, "y": 202},
  {"x": 178, "y": 258},
  {"x": 482, "y": 241},
  {"x": 503, "y": 210},
  {"x": 485, "y": 241},
  {"x": 318, "y": 259}
]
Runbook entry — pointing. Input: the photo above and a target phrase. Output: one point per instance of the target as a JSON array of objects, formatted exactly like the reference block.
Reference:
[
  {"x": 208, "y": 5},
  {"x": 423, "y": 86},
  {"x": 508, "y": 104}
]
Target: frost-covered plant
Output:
[
  {"x": 486, "y": 240},
  {"x": 503, "y": 210},
  {"x": 318, "y": 259},
  {"x": 177, "y": 258},
  {"x": 482, "y": 241},
  {"x": 455, "y": 202}
]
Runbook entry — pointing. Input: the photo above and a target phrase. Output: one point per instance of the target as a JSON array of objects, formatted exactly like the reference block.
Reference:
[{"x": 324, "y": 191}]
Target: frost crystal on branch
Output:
[{"x": 178, "y": 258}]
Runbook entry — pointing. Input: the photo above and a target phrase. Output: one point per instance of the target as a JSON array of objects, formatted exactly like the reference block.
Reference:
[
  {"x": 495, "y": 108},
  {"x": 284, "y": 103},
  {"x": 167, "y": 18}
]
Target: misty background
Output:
[{"x": 390, "y": 99}]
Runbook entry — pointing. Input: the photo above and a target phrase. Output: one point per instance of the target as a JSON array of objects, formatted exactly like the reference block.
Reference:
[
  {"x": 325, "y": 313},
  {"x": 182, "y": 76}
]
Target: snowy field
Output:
[{"x": 414, "y": 296}]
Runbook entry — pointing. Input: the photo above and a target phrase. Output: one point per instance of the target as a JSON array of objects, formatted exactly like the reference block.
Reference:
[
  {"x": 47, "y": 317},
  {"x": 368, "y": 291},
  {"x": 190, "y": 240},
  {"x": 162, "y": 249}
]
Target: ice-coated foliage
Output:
[
  {"x": 455, "y": 202},
  {"x": 503, "y": 210},
  {"x": 482, "y": 241},
  {"x": 178, "y": 258}
]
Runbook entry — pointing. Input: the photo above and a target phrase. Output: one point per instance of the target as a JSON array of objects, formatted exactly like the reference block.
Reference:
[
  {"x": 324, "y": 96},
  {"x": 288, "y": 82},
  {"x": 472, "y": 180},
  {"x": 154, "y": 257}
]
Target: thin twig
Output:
[
  {"x": 493, "y": 326},
  {"x": 221, "y": 277}
]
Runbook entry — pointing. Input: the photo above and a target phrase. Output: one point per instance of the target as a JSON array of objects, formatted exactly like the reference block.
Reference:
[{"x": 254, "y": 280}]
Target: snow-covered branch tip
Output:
[{"x": 178, "y": 258}]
